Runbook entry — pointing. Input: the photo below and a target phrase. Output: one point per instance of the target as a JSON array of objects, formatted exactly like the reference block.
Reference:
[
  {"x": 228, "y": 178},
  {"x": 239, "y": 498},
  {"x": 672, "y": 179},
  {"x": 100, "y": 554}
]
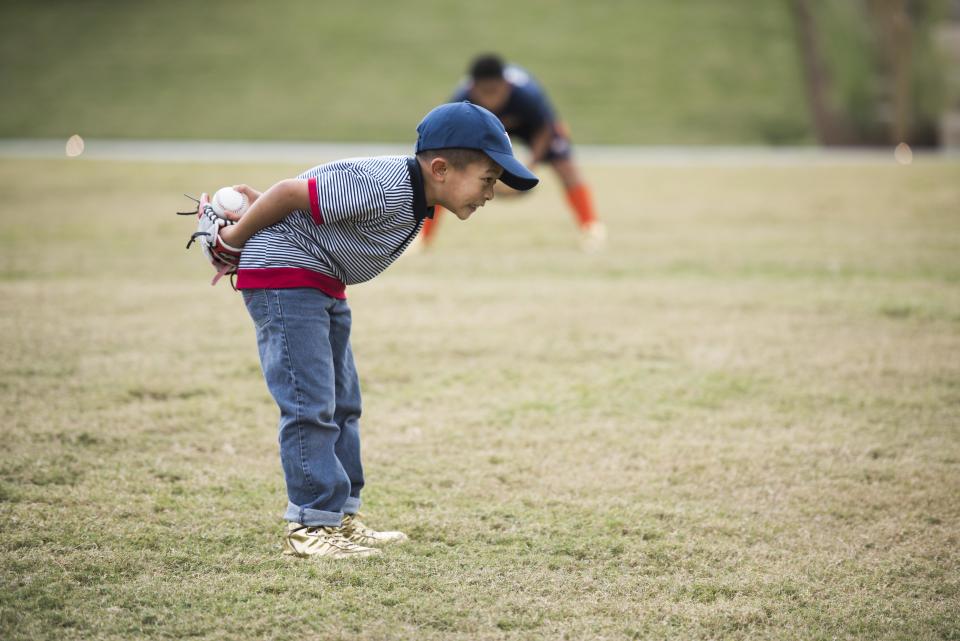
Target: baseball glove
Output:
[{"x": 222, "y": 256}]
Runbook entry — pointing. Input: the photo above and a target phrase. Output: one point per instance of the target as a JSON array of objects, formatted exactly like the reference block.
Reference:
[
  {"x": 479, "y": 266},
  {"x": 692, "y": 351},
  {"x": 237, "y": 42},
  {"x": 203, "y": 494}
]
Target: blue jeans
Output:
[{"x": 304, "y": 341}]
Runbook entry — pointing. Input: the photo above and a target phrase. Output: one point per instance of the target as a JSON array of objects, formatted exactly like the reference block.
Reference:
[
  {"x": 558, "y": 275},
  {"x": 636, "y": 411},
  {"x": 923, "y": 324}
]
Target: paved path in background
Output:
[{"x": 213, "y": 151}]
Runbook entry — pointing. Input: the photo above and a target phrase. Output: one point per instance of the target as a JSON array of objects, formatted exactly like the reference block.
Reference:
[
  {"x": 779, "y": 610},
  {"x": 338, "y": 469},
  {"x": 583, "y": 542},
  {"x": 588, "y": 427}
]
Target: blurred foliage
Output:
[
  {"x": 859, "y": 60},
  {"x": 655, "y": 72},
  {"x": 619, "y": 72}
]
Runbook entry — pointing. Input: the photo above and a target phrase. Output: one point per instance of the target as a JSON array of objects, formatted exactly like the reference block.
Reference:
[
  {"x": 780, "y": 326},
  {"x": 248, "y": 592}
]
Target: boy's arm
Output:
[
  {"x": 539, "y": 147},
  {"x": 269, "y": 208},
  {"x": 540, "y": 144}
]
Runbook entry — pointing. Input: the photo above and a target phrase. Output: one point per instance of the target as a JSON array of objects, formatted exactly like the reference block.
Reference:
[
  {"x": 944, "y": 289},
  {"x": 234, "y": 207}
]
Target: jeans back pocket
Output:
[{"x": 258, "y": 306}]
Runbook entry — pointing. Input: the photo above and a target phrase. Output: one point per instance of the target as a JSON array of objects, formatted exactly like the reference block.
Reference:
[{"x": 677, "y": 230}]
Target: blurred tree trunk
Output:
[
  {"x": 895, "y": 32},
  {"x": 831, "y": 127}
]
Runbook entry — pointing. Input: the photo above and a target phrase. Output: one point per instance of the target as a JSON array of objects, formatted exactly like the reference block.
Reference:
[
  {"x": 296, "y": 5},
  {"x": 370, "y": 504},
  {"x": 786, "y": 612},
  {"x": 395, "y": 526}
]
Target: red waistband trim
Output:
[{"x": 289, "y": 277}]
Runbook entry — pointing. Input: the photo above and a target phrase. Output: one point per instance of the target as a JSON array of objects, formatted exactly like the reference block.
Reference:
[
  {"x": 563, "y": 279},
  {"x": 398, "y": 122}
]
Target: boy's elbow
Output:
[{"x": 294, "y": 193}]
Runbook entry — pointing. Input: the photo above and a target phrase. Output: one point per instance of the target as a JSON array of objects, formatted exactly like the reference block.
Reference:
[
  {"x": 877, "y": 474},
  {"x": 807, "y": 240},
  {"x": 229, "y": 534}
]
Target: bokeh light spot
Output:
[
  {"x": 903, "y": 154},
  {"x": 74, "y": 146}
]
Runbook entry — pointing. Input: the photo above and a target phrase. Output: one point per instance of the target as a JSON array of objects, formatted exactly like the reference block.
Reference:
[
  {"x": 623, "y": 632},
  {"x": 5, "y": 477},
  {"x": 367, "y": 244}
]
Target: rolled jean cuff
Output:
[
  {"x": 351, "y": 505},
  {"x": 304, "y": 516}
]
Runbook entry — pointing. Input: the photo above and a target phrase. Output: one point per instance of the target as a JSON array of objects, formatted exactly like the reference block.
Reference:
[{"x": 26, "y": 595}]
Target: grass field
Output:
[
  {"x": 741, "y": 421},
  {"x": 658, "y": 71}
]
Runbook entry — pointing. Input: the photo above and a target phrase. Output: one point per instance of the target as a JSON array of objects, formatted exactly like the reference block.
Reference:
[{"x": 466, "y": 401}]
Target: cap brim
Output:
[{"x": 514, "y": 175}]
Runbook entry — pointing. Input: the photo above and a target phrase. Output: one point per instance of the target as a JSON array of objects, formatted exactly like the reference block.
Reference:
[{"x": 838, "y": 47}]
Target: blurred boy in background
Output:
[{"x": 522, "y": 106}]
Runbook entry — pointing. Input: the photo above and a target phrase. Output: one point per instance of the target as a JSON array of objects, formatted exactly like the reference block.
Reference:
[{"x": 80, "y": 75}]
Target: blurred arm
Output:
[
  {"x": 540, "y": 144},
  {"x": 539, "y": 147}
]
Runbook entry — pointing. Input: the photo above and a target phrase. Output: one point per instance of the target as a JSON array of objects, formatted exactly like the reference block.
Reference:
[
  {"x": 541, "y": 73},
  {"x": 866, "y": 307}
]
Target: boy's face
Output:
[
  {"x": 468, "y": 189},
  {"x": 490, "y": 93}
]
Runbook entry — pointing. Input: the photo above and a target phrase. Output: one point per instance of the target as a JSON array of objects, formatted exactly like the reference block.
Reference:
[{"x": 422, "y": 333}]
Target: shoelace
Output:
[
  {"x": 335, "y": 537},
  {"x": 354, "y": 525}
]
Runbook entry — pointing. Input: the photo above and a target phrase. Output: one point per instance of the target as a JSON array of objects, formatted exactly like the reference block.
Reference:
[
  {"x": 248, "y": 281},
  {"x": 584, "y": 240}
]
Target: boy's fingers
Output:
[{"x": 248, "y": 191}]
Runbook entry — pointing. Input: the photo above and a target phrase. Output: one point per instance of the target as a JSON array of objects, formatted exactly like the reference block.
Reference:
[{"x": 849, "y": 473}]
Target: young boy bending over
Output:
[{"x": 303, "y": 241}]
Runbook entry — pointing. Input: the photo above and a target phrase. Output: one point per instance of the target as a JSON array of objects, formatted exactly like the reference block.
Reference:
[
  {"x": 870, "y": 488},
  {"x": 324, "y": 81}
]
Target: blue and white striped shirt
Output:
[{"x": 363, "y": 213}]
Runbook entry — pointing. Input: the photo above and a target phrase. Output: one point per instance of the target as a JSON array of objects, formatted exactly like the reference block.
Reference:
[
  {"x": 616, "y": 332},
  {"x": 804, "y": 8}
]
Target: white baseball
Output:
[{"x": 229, "y": 201}]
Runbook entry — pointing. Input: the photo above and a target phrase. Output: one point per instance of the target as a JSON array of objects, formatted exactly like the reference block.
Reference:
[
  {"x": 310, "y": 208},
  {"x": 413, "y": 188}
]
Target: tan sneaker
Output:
[
  {"x": 304, "y": 541},
  {"x": 360, "y": 534},
  {"x": 593, "y": 237}
]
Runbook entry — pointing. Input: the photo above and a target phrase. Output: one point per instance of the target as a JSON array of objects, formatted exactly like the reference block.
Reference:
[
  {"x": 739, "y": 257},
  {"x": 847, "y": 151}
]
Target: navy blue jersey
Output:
[{"x": 526, "y": 111}]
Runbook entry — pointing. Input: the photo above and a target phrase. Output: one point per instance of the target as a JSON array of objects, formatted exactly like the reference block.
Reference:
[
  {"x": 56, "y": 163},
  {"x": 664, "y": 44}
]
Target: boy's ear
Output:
[{"x": 438, "y": 168}]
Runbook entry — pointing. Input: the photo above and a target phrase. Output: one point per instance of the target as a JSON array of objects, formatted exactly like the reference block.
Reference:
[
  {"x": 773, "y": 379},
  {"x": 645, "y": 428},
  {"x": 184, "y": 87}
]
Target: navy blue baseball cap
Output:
[{"x": 468, "y": 126}]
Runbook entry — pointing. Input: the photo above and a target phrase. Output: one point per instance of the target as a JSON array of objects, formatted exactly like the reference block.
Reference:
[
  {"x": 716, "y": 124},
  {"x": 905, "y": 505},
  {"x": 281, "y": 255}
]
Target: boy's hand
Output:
[
  {"x": 209, "y": 235},
  {"x": 248, "y": 191},
  {"x": 227, "y": 233}
]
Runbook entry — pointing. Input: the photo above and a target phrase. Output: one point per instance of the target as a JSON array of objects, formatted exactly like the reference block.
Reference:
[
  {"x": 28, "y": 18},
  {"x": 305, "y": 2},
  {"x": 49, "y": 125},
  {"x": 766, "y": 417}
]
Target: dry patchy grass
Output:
[{"x": 741, "y": 421}]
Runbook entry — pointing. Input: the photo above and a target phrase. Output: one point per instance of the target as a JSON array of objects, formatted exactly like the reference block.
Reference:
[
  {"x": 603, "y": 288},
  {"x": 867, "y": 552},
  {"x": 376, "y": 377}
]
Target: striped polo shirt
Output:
[{"x": 363, "y": 213}]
